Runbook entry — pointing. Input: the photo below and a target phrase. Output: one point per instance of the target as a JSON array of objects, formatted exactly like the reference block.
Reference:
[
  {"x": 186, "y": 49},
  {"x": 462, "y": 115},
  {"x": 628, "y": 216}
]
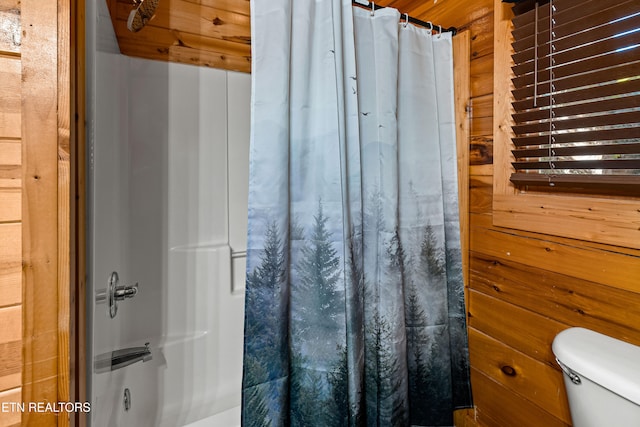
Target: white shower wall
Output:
[{"x": 168, "y": 192}]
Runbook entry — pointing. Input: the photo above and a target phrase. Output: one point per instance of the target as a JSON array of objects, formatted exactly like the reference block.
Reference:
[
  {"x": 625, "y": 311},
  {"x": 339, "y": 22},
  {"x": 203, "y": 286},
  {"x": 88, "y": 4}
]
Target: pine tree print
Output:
[
  {"x": 386, "y": 405},
  {"x": 338, "y": 404},
  {"x": 307, "y": 404},
  {"x": 432, "y": 254},
  {"x": 317, "y": 298},
  {"x": 265, "y": 307},
  {"x": 418, "y": 369},
  {"x": 256, "y": 410}
]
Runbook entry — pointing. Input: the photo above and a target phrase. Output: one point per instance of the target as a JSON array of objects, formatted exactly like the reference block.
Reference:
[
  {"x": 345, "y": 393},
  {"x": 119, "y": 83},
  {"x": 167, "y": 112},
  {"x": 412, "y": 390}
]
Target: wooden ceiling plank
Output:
[
  {"x": 191, "y": 18},
  {"x": 185, "y": 55},
  {"x": 236, "y": 6},
  {"x": 450, "y": 13},
  {"x": 209, "y": 59},
  {"x": 9, "y": 5},
  {"x": 165, "y": 38}
]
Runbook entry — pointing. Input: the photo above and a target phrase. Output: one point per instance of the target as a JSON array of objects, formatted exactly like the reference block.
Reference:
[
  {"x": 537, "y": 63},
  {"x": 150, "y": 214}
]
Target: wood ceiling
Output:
[{"x": 217, "y": 33}]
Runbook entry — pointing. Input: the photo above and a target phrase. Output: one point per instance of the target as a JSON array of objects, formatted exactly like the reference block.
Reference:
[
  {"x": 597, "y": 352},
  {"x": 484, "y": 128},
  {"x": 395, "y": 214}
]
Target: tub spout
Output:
[{"x": 128, "y": 356}]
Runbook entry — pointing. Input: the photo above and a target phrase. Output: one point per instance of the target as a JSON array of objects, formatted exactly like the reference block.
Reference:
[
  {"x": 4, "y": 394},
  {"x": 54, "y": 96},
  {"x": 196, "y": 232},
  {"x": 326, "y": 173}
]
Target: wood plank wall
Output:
[
  {"x": 526, "y": 287},
  {"x": 10, "y": 210},
  {"x": 35, "y": 136}
]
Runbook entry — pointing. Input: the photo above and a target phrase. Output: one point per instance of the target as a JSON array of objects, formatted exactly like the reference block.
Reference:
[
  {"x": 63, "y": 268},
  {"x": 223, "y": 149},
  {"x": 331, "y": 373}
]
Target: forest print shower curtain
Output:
[{"x": 354, "y": 297}]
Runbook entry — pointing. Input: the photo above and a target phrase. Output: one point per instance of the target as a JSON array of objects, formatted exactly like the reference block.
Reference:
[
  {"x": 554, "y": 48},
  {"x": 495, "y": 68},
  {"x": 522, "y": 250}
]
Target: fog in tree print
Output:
[{"x": 354, "y": 296}]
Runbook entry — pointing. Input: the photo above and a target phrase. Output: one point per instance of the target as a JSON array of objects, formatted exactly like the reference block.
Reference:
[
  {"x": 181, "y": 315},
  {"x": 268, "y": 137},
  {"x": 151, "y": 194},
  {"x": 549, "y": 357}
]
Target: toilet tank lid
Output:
[{"x": 612, "y": 363}]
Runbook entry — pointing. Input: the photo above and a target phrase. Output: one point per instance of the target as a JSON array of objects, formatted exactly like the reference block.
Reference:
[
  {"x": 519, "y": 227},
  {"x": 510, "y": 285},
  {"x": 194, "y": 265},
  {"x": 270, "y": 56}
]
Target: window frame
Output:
[{"x": 613, "y": 220}]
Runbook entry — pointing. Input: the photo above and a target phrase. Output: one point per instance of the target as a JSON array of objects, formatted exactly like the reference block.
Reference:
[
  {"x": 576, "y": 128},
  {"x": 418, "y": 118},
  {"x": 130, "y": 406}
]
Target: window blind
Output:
[{"x": 576, "y": 95}]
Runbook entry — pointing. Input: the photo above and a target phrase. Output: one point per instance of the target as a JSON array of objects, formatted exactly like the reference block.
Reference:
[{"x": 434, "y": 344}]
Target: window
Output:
[
  {"x": 567, "y": 119},
  {"x": 576, "y": 96}
]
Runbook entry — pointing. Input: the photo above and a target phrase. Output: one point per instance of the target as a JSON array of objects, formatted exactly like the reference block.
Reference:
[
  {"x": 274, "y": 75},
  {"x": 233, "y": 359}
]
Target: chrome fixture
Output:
[
  {"x": 117, "y": 293},
  {"x": 127, "y": 399},
  {"x": 120, "y": 358},
  {"x": 575, "y": 378}
]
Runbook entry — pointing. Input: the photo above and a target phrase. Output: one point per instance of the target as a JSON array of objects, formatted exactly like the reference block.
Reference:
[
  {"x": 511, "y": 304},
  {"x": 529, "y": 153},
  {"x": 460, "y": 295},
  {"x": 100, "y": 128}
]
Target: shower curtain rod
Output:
[{"x": 367, "y": 4}]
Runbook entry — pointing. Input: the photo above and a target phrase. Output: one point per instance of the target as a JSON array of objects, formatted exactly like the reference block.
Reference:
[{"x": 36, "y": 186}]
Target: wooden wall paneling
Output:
[
  {"x": 498, "y": 406},
  {"x": 482, "y": 76},
  {"x": 10, "y": 349},
  {"x": 464, "y": 418},
  {"x": 523, "y": 375},
  {"x": 481, "y": 35},
  {"x": 502, "y": 96},
  {"x": 10, "y": 196},
  {"x": 480, "y": 194},
  {"x": 557, "y": 296},
  {"x": 461, "y": 49},
  {"x": 462, "y": 93},
  {"x": 64, "y": 100},
  {"x": 10, "y": 76},
  {"x": 10, "y": 264},
  {"x": 11, "y": 366},
  {"x": 10, "y": 23},
  {"x": 78, "y": 324},
  {"x": 481, "y": 126},
  {"x": 10, "y": 211},
  {"x": 481, "y": 170},
  {"x": 10, "y": 152},
  {"x": 40, "y": 205},
  {"x": 482, "y": 106},
  {"x": 481, "y": 150},
  {"x": 585, "y": 218},
  {"x": 10, "y": 311},
  {"x": 9, "y": 397},
  {"x": 558, "y": 239},
  {"x": 11, "y": 321},
  {"x": 527, "y": 332},
  {"x": 605, "y": 267}
]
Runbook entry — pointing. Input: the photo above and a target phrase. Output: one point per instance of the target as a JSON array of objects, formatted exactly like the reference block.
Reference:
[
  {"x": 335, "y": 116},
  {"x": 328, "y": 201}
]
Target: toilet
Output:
[{"x": 602, "y": 378}]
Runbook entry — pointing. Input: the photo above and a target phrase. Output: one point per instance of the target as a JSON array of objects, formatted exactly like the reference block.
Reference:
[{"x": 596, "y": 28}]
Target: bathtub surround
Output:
[
  {"x": 354, "y": 306},
  {"x": 167, "y": 185}
]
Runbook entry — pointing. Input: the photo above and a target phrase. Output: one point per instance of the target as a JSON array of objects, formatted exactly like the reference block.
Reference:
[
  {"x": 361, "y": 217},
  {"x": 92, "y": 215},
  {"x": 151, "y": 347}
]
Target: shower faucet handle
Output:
[
  {"x": 123, "y": 292},
  {"x": 117, "y": 293}
]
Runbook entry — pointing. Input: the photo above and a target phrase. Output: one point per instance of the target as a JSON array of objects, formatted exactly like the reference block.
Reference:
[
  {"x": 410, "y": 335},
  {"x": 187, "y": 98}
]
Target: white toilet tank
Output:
[{"x": 602, "y": 378}]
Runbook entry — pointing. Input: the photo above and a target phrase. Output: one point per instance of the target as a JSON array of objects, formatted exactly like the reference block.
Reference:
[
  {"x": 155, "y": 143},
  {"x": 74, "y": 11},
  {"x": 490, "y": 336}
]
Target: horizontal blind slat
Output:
[
  {"x": 525, "y": 64},
  {"x": 594, "y": 92},
  {"x": 601, "y": 106},
  {"x": 578, "y": 164},
  {"x": 562, "y": 69},
  {"x": 588, "y": 136},
  {"x": 579, "y": 150},
  {"x": 619, "y": 72},
  {"x": 579, "y": 181},
  {"x": 578, "y": 25},
  {"x": 627, "y": 118}
]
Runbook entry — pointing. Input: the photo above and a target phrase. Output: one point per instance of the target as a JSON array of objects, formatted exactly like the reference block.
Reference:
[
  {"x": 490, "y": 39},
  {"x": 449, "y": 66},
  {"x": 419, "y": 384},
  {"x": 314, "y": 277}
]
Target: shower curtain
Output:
[{"x": 354, "y": 296}]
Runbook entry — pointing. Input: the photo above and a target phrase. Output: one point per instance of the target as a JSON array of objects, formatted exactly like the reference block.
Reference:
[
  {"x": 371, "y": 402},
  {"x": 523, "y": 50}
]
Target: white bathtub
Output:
[{"x": 228, "y": 418}]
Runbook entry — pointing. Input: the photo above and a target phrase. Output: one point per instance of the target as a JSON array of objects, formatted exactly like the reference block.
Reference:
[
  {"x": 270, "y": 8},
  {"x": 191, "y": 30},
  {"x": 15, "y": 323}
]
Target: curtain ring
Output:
[
  {"x": 439, "y": 31},
  {"x": 406, "y": 20},
  {"x": 430, "y": 25},
  {"x": 373, "y": 9}
]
